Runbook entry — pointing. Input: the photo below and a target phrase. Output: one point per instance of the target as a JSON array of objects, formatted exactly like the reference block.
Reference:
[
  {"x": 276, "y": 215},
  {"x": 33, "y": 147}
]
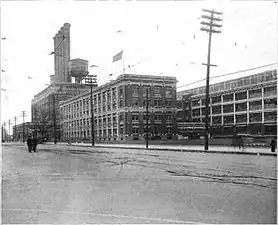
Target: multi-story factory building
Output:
[
  {"x": 45, "y": 107},
  {"x": 245, "y": 105},
  {"x": 120, "y": 109}
]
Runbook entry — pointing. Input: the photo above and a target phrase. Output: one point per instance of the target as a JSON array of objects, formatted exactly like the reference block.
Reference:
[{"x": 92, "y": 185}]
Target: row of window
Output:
[
  {"x": 157, "y": 91},
  {"x": 239, "y": 107},
  {"x": 242, "y": 118},
  {"x": 257, "y": 93},
  {"x": 245, "y": 81}
]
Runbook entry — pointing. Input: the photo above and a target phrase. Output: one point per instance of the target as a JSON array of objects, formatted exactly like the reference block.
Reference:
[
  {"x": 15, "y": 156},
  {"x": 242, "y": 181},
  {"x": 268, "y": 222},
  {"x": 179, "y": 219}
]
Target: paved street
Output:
[{"x": 71, "y": 184}]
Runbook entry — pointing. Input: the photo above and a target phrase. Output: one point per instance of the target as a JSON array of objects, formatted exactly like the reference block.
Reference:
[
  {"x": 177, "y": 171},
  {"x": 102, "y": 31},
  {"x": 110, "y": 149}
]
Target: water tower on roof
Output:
[{"x": 78, "y": 68}]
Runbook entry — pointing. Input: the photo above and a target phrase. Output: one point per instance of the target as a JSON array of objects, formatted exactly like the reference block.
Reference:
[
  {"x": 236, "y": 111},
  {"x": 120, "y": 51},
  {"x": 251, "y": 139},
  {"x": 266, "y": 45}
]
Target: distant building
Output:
[
  {"x": 246, "y": 105},
  {"x": 45, "y": 107},
  {"x": 22, "y": 131},
  {"x": 120, "y": 109}
]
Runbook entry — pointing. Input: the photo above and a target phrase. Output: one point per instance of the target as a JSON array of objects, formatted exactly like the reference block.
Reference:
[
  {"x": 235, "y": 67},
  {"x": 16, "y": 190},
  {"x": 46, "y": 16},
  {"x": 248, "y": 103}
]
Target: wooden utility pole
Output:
[
  {"x": 9, "y": 122},
  {"x": 209, "y": 26},
  {"x": 23, "y": 115},
  {"x": 91, "y": 81},
  {"x": 14, "y": 128},
  {"x": 147, "y": 119}
]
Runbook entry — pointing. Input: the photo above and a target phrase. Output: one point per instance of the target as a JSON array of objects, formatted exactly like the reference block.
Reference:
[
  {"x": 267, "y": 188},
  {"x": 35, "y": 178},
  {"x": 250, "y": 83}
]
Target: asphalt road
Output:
[{"x": 136, "y": 186}]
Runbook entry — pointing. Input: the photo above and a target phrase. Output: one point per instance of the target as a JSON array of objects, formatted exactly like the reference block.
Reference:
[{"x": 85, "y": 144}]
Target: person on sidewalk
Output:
[
  {"x": 29, "y": 143},
  {"x": 273, "y": 145},
  {"x": 34, "y": 144}
]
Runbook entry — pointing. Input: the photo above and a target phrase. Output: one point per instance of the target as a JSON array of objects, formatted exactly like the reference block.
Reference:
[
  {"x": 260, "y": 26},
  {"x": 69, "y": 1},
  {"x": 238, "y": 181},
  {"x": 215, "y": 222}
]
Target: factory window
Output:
[
  {"x": 270, "y": 91},
  {"x": 254, "y": 80},
  {"x": 168, "y": 92},
  {"x": 196, "y": 102},
  {"x": 157, "y": 90},
  {"x": 135, "y": 130},
  {"x": 157, "y": 117},
  {"x": 135, "y": 117},
  {"x": 145, "y": 117},
  {"x": 255, "y": 93},
  {"x": 135, "y": 90},
  {"x": 196, "y": 112},
  {"x": 255, "y": 105},
  {"x": 228, "y": 119},
  {"x": 157, "y": 102},
  {"x": 228, "y": 108},
  {"x": 121, "y": 92},
  {"x": 270, "y": 103},
  {"x": 168, "y": 103},
  {"x": 216, "y": 120},
  {"x": 114, "y": 105},
  {"x": 216, "y": 99},
  {"x": 169, "y": 117},
  {"x": 121, "y": 103},
  {"x": 145, "y": 90},
  {"x": 196, "y": 120},
  {"x": 270, "y": 130},
  {"x": 255, "y": 117},
  {"x": 241, "y": 96},
  {"x": 121, "y": 117},
  {"x": 135, "y": 102},
  {"x": 228, "y": 98},
  {"x": 240, "y": 82},
  {"x": 270, "y": 116},
  {"x": 216, "y": 109},
  {"x": 241, "y": 107}
]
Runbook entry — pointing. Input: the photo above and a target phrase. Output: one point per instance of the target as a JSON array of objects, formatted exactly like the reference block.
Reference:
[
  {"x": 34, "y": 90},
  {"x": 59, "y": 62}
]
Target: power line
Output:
[{"x": 227, "y": 74}]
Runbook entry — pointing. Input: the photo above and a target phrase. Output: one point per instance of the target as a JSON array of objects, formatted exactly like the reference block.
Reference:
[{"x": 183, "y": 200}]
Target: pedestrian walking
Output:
[
  {"x": 273, "y": 145},
  {"x": 34, "y": 144},
  {"x": 29, "y": 143}
]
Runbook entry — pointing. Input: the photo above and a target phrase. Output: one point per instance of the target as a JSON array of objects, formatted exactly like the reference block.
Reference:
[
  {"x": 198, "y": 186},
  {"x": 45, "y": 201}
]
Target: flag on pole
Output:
[{"x": 118, "y": 57}]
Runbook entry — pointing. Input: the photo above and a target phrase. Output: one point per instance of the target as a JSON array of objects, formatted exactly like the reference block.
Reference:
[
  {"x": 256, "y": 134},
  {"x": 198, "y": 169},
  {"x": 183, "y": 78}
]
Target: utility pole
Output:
[
  {"x": 91, "y": 81},
  {"x": 9, "y": 122},
  {"x": 54, "y": 119},
  {"x": 147, "y": 119},
  {"x": 23, "y": 115},
  {"x": 4, "y": 131},
  {"x": 14, "y": 128},
  {"x": 209, "y": 26}
]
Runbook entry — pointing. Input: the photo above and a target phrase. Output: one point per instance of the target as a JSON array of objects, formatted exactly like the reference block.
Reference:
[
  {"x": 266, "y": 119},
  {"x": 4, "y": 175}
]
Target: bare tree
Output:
[{"x": 42, "y": 122}]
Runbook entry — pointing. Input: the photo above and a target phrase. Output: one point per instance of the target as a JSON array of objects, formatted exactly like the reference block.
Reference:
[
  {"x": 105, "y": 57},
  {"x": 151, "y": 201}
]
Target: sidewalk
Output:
[{"x": 185, "y": 148}]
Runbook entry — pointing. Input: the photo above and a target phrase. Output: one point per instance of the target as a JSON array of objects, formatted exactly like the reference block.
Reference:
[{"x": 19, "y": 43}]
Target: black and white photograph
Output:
[{"x": 139, "y": 112}]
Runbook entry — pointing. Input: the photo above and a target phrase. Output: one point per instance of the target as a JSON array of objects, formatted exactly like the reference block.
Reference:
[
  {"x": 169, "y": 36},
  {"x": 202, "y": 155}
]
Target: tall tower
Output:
[{"x": 62, "y": 55}]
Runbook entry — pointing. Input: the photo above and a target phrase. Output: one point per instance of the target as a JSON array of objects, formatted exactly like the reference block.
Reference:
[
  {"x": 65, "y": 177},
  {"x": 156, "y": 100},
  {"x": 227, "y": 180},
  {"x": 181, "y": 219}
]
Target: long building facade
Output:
[
  {"x": 120, "y": 110},
  {"x": 246, "y": 105}
]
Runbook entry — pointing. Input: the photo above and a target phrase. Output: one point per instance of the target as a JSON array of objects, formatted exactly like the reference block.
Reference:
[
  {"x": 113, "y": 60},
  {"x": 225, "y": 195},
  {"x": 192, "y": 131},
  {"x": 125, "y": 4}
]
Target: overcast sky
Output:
[{"x": 158, "y": 37}]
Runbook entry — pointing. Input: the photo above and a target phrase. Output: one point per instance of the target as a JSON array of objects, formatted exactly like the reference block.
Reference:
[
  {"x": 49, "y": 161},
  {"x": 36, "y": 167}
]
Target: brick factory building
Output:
[
  {"x": 120, "y": 110},
  {"x": 246, "y": 105}
]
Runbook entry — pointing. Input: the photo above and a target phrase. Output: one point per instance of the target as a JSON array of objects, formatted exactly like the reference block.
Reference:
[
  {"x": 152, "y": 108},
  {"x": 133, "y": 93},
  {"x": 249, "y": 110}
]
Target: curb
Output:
[{"x": 179, "y": 150}]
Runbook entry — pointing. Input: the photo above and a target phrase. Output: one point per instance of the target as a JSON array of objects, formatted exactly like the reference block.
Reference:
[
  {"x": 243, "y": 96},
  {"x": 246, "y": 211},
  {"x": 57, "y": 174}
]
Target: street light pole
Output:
[
  {"x": 210, "y": 28},
  {"x": 91, "y": 80}
]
